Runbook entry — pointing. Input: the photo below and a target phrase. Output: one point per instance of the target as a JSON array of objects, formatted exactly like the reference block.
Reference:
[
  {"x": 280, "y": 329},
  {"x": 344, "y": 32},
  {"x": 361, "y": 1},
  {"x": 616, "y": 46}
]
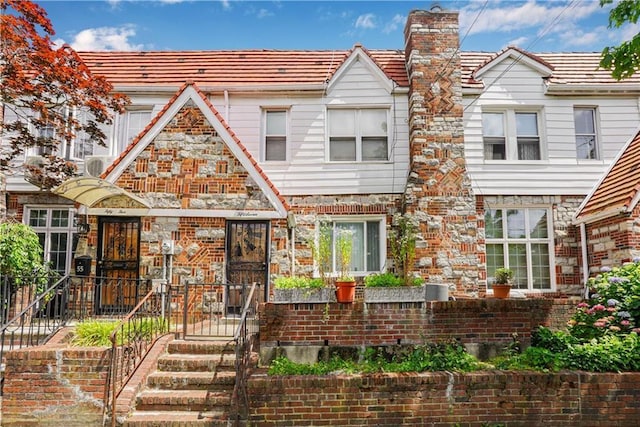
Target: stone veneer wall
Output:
[
  {"x": 613, "y": 241},
  {"x": 438, "y": 192}
]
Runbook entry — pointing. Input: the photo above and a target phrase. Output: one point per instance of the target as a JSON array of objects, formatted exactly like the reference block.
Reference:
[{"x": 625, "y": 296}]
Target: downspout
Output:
[{"x": 585, "y": 261}]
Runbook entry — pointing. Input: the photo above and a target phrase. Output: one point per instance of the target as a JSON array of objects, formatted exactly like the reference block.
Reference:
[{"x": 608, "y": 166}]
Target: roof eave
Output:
[
  {"x": 589, "y": 218},
  {"x": 221, "y": 88},
  {"x": 594, "y": 88}
]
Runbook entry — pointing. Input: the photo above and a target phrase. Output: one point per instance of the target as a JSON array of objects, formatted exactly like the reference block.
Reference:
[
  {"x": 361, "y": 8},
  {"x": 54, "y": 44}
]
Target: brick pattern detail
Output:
[
  {"x": 613, "y": 240},
  {"x": 446, "y": 399},
  {"x": 470, "y": 321},
  {"x": 438, "y": 191}
]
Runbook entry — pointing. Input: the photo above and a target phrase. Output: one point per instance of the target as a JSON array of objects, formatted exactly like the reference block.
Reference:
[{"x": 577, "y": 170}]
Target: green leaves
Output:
[
  {"x": 622, "y": 60},
  {"x": 21, "y": 256}
]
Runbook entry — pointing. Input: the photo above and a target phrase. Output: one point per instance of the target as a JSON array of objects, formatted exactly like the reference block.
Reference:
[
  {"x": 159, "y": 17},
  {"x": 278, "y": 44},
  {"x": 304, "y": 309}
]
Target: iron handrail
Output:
[
  {"x": 129, "y": 347},
  {"x": 244, "y": 345},
  {"x": 50, "y": 325}
]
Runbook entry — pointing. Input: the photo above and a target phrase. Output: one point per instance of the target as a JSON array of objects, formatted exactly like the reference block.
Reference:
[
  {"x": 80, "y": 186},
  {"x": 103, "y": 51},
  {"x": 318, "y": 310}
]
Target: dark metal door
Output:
[
  {"x": 247, "y": 258},
  {"x": 118, "y": 264}
]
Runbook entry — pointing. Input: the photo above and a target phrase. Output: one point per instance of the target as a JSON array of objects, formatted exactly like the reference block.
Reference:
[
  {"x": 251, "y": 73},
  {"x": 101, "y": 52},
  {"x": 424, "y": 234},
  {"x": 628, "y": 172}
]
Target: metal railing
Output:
[
  {"x": 131, "y": 340},
  {"x": 245, "y": 338}
]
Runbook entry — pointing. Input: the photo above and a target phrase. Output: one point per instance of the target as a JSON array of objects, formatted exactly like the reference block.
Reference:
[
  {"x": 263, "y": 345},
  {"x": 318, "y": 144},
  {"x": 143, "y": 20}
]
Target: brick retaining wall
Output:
[
  {"x": 476, "y": 321},
  {"x": 446, "y": 399},
  {"x": 54, "y": 386}
]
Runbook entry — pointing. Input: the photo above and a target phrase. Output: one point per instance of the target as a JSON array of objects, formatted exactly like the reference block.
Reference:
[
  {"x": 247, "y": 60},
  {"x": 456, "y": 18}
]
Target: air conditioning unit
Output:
[
  {"x": 34, "y": 161},
  {"x": 95, "y": 165}
]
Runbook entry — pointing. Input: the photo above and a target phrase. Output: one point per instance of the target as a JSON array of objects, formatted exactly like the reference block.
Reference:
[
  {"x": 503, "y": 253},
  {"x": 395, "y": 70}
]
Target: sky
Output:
[{"x": 485, "y": 25}]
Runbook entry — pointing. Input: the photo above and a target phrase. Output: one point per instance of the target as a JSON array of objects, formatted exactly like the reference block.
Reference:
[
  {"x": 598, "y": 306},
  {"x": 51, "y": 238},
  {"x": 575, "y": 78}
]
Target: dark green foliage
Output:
[
  {"x": 554, "y": 341},
  {"x": 622, "y": 60}
]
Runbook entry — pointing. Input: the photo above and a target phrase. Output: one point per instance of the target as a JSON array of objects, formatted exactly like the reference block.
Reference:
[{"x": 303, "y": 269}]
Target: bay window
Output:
[{"x": 519, "y": 239}]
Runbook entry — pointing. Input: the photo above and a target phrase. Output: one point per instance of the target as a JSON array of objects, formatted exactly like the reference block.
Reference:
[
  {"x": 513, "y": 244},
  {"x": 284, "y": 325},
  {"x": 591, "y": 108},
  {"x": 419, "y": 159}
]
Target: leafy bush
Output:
[
  {"x": 555, "y": 341},
  {"x": 97, "y": 333},
  {"x": 383, "y": 280},
  {"x": 429, "y": 357},
  {"x": 610, "y": 353},
  {"x": 297, "y": 282},
  {"x": 533, "y": 358},
  {"x": 21, "y": 256}
]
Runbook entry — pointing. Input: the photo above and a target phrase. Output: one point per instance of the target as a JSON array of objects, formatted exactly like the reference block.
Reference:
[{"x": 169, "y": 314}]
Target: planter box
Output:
[
  {"x": 395, "y": 294},
  {"x": 304, "y": 296}
]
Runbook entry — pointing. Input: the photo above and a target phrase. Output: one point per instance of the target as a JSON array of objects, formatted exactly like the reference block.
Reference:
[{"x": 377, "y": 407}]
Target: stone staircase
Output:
[{"x": 192, "y": 386}]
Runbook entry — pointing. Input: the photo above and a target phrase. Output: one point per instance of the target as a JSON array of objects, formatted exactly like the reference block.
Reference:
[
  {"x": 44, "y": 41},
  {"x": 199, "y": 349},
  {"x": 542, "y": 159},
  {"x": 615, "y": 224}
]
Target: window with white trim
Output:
[
  {"x": 275, "y": 135},
  {"x": 57, "y": 234},
  {"x": 130, "y": 125},
  {"x": 519, "y": 239},
  {"x": 357, "y": 135},
  {"x": 511, "y": 135},
  {"x": 369, "y": 245},
  {"x": 584, "y": 119}
]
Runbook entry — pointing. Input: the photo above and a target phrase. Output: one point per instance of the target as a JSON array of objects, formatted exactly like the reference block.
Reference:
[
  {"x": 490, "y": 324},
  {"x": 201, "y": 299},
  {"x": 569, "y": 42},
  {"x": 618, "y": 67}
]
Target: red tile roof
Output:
[
  {"x": 233, "y": 68},
  {"x": 619, "y": 187}
]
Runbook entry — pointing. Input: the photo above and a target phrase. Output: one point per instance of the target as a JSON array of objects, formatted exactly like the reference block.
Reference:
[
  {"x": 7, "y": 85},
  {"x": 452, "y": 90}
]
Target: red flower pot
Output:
[{"x": 345, "y": 291}]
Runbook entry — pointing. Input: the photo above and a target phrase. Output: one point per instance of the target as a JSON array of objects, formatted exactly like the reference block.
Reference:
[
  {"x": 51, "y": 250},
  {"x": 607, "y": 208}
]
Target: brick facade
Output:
[{"x": 613, "y": 241}]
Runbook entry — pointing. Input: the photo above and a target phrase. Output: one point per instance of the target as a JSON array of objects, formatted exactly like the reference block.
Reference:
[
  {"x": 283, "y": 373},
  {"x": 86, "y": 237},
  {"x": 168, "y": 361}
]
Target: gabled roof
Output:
[
  {"x": 618, "y": 190},
  {"x": 519, "y": 55},
  {"x": 269, "y": 69},
  {"x": 571, "y": 71},
  {"x": 190, "y": 92},
  {"x": 359, "y": 53}
]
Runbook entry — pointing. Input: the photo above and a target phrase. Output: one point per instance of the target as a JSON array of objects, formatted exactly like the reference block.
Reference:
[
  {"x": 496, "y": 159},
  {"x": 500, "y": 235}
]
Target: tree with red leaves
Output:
[{"x": 48, "y": 97}]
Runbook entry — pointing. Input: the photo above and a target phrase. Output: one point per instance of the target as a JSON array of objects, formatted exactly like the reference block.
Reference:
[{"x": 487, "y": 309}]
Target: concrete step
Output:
[
  {"x": 201, "y": 347},
  {"x": 176, "y": 419},
  {"x": 183, "y": 400},
  {"x": 196, "y": 362},
  {"x": 191, "y": 380}
]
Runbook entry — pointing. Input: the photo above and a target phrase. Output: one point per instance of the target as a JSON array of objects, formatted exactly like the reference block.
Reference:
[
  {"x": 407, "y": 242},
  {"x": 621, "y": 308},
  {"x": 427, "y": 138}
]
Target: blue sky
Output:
[{"x": 488, "y": 25}]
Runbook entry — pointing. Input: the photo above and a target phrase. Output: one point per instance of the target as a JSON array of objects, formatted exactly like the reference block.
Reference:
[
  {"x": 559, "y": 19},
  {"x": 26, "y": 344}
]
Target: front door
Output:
[
  {"x": 118, "y": 264},
  {"x": 247, "y": 258}
]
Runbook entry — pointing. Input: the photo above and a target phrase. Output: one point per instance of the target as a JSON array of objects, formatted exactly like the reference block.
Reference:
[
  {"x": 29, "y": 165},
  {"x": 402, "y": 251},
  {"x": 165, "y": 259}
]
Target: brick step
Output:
[
  {"x": 201, "y": 347},
  {"x": 183, "y": 400},
  {"x": 196, "y": 362},
  {"x": 191, "y": 380},
  {"x": 176, "y": 419}
]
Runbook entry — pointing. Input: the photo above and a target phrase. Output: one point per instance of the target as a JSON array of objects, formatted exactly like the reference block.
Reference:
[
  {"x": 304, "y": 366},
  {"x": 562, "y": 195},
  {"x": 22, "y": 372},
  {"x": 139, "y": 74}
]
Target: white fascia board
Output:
[
  {"x": 592, "y": 89},
  {"x": 359, "y": 55},
  {"x": 518, "y": 57}
]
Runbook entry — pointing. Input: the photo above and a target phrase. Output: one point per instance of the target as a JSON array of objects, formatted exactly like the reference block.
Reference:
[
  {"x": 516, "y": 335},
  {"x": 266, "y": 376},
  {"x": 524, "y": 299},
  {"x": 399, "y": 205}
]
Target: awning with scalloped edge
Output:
[{"x": 95, "y": 192}]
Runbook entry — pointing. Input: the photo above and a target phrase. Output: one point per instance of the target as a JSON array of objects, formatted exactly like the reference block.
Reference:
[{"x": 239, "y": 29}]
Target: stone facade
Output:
[{"x": 438, "y": 192}]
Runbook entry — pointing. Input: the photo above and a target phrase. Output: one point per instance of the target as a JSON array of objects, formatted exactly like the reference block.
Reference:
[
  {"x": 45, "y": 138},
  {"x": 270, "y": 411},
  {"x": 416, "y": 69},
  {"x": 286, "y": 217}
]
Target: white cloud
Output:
[
  {"x": 519, "y": 42},
  {"x": 226, "y": 4},
  {"x": 104, "y": 38},
  {"x": 393, "y": 25},
  {"x": 264, "y": 13},
  {"x": 366, "y": 21}
]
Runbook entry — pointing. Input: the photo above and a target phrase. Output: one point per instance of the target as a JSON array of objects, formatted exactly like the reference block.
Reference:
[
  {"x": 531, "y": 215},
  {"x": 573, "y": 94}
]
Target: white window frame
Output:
[
  {"x": 505, "y": 241},
  {"x": 595, "y": 134},
  {"x": 48, "y": 229},
  {"x": 364, "y": 219},
  {"x": 511, "y": 134},
  {"x": 125, "y": 133},
  {"x": 265, "y": 136},
  {"x": 81, "y": 115},
  {"x": 358, "y": 133}
]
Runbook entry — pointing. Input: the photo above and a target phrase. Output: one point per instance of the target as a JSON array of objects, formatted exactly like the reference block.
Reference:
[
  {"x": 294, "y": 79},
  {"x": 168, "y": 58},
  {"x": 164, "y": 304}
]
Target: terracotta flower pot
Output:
[
  {"x": 345, "y": 291},
  {"x": 501, "y": 291}
]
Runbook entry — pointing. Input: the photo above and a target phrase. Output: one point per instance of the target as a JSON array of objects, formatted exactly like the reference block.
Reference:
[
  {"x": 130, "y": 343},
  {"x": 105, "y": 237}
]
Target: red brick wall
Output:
[
  {"x": 612, "y": 241},
  {"x": 54, "y": 386},
  {"x": 445, "y": 399},
  {"x": 470, "y": 321}
]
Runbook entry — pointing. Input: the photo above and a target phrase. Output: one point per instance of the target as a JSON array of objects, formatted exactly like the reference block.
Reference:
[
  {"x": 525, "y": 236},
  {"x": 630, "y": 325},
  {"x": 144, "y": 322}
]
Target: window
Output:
[
  {"x": 130, "y": 125},
  {"x": 82, "y": 146},
  {"x": 511, "y": 135},
  {"x": 275, "y": 136},
  {"x": 358, "y": 135},
  {"x": 368, "y": 243},
  {"x": 519, "y": 238},
  {"x": 584, "y": 119},
  {"x": 46, "y": 135},
  {"x": 55, "y": 229}
]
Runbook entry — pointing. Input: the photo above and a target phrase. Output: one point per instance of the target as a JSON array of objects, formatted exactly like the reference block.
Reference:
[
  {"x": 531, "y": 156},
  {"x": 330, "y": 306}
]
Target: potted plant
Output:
[
  {"x": 345, "y": 283},
  {"x": 502, "y": 283}
]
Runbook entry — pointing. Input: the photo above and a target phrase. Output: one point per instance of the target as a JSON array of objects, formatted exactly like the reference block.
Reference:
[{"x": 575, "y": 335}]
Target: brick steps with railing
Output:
[{"x": 192, "y": 386}]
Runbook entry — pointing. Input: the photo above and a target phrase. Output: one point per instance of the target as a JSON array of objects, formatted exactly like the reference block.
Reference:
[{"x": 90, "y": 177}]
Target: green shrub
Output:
[
  {"x": 609, "y": 353},
  {"x": 297, "y": 282},
  {"x": 555, "y": 341},
  {"x": 533, "y": 358},
  {"x": 97, "y": 333},
  {"x": 382, "y": 280}
]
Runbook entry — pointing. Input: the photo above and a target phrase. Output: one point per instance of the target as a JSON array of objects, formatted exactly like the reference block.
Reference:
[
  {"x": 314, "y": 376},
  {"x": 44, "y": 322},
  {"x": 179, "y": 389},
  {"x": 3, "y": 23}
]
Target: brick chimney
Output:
[{"x": 438, "y": 191}]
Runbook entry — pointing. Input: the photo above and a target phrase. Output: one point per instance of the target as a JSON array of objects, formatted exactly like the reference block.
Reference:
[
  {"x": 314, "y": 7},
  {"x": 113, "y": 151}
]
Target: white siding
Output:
[{"x": 559, "y": 172}]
